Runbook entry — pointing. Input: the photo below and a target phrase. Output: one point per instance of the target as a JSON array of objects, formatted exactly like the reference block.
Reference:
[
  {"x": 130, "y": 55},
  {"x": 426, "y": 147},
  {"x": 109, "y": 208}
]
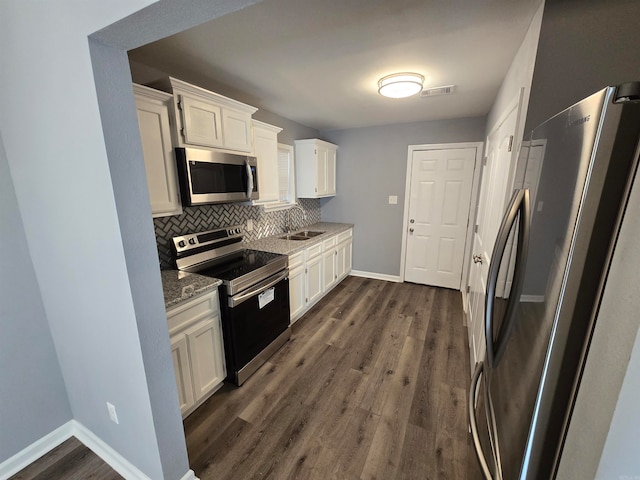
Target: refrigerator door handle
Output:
[
  {"x": 516, "y": 205},
  {"x": 473, "y": 393},
  {"x": 518, "y": 277}
]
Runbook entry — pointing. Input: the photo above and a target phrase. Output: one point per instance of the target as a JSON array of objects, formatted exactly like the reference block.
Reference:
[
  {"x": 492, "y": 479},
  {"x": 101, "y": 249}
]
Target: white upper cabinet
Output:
[
  {"x": 153, "y": 108},
  {"x": 315, "y": 168},
  {"x": 265, "y": 142},
  {"x": 207, "y": 119},
  {"x": 201, "y": 122}
]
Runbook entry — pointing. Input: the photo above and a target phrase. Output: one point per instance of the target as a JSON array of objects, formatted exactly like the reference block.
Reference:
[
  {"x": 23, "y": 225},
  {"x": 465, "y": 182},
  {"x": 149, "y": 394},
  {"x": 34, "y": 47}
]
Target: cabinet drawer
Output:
[
  {"x": 295, "y": 260},
  {"x": 314, "y": 250},
  {"x": 328, "y": 243},
  {"x": 345, "y": 235},
  {"x": 183, "y": 315}
]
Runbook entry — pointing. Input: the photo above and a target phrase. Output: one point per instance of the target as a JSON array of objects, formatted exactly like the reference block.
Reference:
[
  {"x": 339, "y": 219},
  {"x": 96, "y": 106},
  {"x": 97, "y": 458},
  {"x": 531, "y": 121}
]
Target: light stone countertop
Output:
[
  {"x": 179, "y": 286},
  {"x": 275, "y": 244}
]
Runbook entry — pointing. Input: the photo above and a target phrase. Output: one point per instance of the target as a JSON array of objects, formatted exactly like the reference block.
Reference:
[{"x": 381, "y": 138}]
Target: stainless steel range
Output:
[{"x": 254, "y": 295}]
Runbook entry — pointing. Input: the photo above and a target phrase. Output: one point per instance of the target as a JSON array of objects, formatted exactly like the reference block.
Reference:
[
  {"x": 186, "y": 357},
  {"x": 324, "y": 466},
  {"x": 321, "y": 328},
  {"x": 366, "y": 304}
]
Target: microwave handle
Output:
[{"x": 250, "y": 180}]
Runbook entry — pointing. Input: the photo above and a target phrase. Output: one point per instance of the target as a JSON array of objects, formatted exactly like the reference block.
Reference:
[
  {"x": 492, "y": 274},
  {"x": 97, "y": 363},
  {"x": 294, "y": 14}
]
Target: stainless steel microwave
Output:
[{"x": 209, "y": 176}]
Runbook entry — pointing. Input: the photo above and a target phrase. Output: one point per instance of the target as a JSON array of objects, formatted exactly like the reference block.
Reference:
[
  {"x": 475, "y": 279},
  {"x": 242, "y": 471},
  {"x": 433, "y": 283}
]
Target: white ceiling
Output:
[{"x": 318, "y": 62}]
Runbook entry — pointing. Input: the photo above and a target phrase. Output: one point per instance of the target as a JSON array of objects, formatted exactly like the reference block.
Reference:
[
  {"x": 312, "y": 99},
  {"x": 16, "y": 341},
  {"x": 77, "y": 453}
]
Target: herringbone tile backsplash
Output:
[{"x": 209, "y": 217}]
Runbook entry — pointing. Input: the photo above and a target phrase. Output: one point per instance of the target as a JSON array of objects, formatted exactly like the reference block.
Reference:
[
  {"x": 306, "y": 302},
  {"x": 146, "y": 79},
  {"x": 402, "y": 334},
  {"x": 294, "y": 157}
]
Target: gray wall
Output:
[
  {"x": 33, "y": 399},
  {"x": 75, "y": 158},
  {"x": 371, "y": 165},
  {"x": 584, "y": 46}
]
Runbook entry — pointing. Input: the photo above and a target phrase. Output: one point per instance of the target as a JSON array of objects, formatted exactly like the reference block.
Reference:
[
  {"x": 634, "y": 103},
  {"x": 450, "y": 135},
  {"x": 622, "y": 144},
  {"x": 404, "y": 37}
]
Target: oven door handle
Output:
[{"x": 258, "y": 289}]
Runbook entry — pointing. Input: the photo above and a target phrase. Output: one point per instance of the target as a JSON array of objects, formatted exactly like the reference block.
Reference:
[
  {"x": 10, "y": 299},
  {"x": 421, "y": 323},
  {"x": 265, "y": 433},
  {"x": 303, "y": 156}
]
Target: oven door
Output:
[
  {"x": 252, "y": 320},
  {"x": 208, "y": 176}
]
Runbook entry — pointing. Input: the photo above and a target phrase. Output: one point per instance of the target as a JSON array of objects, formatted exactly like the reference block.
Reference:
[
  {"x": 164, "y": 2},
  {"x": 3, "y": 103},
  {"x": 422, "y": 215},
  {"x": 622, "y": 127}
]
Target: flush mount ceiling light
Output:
[{"x": 400, "y": 85}]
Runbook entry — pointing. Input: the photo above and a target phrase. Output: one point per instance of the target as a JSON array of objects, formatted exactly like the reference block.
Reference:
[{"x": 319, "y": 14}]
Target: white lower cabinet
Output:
[
  {"x": 316, "y": 270},
  {"x": 297, "y": 285},
  {"x": 197, "y": 349}
]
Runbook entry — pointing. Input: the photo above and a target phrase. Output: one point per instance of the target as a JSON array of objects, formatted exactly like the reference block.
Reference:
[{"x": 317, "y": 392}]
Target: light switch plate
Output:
[{"x": 393, "y": 199}]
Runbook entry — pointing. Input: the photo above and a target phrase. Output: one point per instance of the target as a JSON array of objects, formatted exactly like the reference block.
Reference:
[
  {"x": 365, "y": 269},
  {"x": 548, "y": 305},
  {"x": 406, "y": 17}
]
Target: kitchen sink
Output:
[{"x": 304, "y": 235}]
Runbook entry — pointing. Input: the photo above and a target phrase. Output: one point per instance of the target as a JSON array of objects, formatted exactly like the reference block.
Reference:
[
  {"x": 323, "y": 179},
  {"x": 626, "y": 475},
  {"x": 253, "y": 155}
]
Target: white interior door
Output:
[
  {"x": 494, "y": 194},
  {"x": 439, "y": 196}
]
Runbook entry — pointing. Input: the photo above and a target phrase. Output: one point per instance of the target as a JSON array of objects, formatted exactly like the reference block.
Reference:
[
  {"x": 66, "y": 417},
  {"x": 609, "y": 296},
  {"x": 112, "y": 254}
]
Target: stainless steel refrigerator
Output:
[{"x": 563, "y": 219}]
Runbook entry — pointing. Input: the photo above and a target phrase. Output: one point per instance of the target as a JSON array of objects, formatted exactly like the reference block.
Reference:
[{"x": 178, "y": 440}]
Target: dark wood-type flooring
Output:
[
  {"x": 70, "y": 460},
  {"x": 372, "y": 385}
]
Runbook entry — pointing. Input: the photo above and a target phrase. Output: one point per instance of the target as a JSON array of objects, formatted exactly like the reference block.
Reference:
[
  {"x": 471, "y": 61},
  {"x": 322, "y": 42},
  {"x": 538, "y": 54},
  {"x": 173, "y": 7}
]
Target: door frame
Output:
[{"x": 472, "y": 203}]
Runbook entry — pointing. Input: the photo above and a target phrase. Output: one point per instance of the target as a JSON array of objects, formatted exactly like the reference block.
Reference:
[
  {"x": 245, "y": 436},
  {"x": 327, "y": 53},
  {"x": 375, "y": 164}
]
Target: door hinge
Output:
[
  {"x": 484, "y": 161},
  {"x": 475, "y": 229},
  {"x": 179, "y": 105},
  {"x": 306, "y": 271},
  {"x": 468, "y": 288},
  {"x": 510, "y": 143}
]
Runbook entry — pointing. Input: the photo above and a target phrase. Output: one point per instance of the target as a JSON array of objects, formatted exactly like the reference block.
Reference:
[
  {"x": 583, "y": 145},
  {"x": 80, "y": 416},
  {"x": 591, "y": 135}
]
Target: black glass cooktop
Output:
[{"x": 244, "y": 262}]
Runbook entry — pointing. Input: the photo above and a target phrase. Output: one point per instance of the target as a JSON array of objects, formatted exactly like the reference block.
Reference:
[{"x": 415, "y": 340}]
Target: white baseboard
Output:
[
  {"x": 376, "y": 276},
  {"x": 70, "y": 429},
  {"x": 116, "y": 461},
  {"x": 30, "y": 454}
]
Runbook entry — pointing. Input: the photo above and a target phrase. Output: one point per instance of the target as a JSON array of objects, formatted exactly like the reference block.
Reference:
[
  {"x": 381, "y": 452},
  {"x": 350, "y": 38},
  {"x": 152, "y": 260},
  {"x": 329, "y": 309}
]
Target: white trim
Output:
[
  {"x": 376, "y": 276},
  {"x": 73, "y": 428},
  {"x": 472, "y": 202},
  {"x": 31, "y": 453}
]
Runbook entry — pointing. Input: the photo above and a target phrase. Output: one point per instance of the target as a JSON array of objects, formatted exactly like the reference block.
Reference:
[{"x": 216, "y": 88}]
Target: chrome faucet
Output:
[{"x": 288, "y": 224}]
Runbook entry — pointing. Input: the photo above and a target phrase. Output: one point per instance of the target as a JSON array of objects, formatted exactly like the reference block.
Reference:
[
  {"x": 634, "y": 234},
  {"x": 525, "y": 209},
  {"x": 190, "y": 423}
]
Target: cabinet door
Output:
[
  {"x": 321, "y": 169},
  {"x": 180, "y": 355},
  {"x": 205, "y": 352},
  {"x": 236, "y": 128},
  {"x": 340, "y": 260},
  {"x": 157, "y": 150},
  {"x": 201, "y": 122},
  {"x": 329, "y": 267},
  {"x": 331, "y": 171},
  {"x": 347, "y": 257},
  {"x": 297, "y": 294},
  {"x": 266, "y": 150},
  {"x": 314, "y": 279}
]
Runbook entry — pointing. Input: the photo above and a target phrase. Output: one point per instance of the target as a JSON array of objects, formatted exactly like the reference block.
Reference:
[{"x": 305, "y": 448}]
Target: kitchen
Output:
[{"x": 112, "y": 279}]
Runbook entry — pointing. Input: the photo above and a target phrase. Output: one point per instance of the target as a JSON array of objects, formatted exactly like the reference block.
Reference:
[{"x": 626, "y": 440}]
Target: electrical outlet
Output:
[
  {"x": 393, "y": 199},
  {"x": 113, "y": 415},
  {"x": 249, "y": 225}
]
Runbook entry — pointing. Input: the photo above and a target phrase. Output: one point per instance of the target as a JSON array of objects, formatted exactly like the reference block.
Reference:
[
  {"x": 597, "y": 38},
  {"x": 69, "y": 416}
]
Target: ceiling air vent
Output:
[{"x": 436, "y": 91}]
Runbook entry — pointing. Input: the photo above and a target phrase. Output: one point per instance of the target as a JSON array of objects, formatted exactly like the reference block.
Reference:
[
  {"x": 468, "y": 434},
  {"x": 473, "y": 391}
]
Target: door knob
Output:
[
  {"x": 412, "y": 221},
  {"x": 477, "y": 259},
  {"x": 411, "y": 230}
]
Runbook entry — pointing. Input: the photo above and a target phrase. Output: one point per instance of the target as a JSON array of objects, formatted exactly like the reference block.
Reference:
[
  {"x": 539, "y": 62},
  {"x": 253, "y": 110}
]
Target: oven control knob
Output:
[
  {"x": 192, "y": 241},
  {"x": 237, "y": 230},
  {"x": 181, "y": 244}
]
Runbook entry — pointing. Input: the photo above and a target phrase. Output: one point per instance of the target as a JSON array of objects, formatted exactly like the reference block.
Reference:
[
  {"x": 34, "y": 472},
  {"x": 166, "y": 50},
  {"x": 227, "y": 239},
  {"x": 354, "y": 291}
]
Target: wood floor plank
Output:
[
  {"x": 70, "y": 461},
  {"x": 387, "y": 445}
]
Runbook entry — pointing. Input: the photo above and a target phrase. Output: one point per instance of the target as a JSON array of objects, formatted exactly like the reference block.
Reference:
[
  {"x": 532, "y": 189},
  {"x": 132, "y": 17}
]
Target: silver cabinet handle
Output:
[
  {"x": 519, "y": 204},
  {"x": 477, "y": 259},
  {"x": 473, "y": 393}
]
